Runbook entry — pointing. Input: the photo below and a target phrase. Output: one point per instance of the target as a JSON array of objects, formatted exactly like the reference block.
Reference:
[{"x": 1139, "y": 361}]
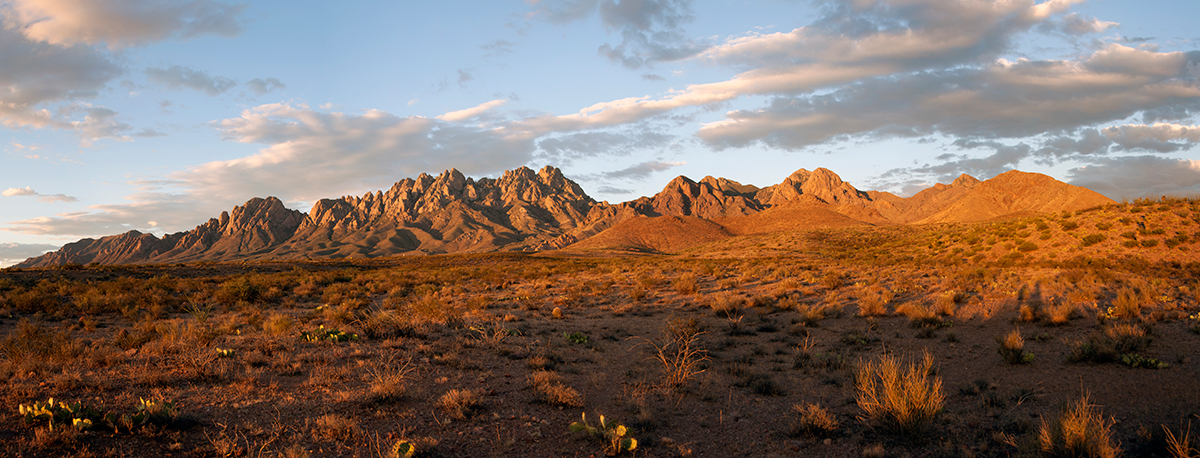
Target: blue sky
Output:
[{"x": 156, "y": 115}]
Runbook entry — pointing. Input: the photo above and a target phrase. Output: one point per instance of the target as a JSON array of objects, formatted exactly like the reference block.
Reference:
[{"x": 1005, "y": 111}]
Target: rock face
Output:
[{"x": 525, "y": 210}]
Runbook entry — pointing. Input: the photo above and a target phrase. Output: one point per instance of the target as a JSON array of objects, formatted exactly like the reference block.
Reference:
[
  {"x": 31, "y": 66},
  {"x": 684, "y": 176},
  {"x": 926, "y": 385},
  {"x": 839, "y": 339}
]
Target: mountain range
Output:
[{"x": 525, "y": 210}]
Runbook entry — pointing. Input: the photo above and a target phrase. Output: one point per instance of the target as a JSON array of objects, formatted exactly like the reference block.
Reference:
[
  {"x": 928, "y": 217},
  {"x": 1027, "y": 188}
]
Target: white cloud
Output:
[
  {"x": 14, "y": 253},
  {"x": 1139, "y": 176},
  {"x": 177, "y": 76},
  {"x": 462, "y": 115},
  {"x": 120, "y": 23},
  {"x": 1161, "y": 137},
  {"x": 28, "y": 191}
]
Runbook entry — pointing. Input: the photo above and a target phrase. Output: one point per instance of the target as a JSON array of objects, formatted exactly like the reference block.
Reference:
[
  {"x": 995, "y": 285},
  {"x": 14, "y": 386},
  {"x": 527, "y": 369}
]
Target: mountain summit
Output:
[{"x": 525, "y": 210}]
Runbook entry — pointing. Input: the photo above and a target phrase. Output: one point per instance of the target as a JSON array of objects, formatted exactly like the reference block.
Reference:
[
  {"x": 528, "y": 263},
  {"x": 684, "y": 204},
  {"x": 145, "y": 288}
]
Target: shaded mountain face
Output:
[{"x": 525, "y": 210}]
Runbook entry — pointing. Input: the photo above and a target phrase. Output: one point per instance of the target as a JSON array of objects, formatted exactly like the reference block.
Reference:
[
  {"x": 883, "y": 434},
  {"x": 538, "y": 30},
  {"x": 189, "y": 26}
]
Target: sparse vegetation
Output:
[
  {"x": 905, "y": 397},
  {"x": 1080, "y": 430}
]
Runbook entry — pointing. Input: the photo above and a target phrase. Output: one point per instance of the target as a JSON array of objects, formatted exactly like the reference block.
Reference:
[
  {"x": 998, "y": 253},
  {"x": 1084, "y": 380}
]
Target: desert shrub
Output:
[
  {"x": 239, "y": 289},
  {"x": 687, "y": 283},
  {"x": 553, "y": 389},
  {"x": 726, "y": 303},
  {"x": 35, "y": 347},
  {"x": 1129, "y": 235},
  {"x": 333, "y": 427},
  {"x": 679, "y": 353},
  {"x": 1012, "y": 349},
  {"x": 813, "y": 420},
  {"x": 1149, "y": 243},
  {"x": 278, "y": 324},
  {"x": 1058, "y": 314},
  {"x": 389, "y": 382},
  {"x": 1027, "y": 247},
  {"x": 1128, "y": 304},
  {"x": 1079, "y": 431},
  {"x": 872, "y": 304},
  {"x": 459, "y": 404},
  {"x": 905, "y": 397},
  {"x": 1068, "y": 225},
  {"x": 1127, "y": 337},
  {"x": 919, "y": 315},
  {"x": 1104, "y": 226},
  {"x": 1131, "y": 244},
  {"x": 1091, "y": 239},
  {"x": 833, "y": 280},
  {"x": 946, "y": 303}
]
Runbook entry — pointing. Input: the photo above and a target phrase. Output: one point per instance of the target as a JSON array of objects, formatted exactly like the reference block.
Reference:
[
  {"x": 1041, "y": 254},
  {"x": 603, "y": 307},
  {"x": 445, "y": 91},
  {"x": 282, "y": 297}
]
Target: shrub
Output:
[
  {"x": 1149, "y": 243},
  {"x": 679, "y": 353},
  {"x": 1027, "y": 246},
  {"x": 687, "y": 283},
  {"x": 459, "y": 403},
  {"x": 1081, "y": 431},
  {"x": 1069, "y": 225},
  {"x": 918, "y": 314},
  {"x": 1092, "y": 239},
  {"x": 905, "y": 398},
  {"x": 726, "y": 304},
  {"x": 1012, "y": 349},
  {"x": 872, "y": 305},
  {"x": 278, "y": 324},
  {"x": 813, "y": 420}
]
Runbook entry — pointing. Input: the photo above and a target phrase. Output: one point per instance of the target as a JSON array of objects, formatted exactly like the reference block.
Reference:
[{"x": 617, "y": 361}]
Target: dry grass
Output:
[
  {"x": 554, "y": 390},
  {"x": 335, "y": 428},
  {"x": 813, "y": 420},
  {"x": 459, "y": 404},
  {"x": 1012, "y": 348},
  {"x": 1080, "y": 431},
  {"x": 1180, "y": 447},
  {"x": 726, "y": 304},
  {"x": 904, "y": 398}
]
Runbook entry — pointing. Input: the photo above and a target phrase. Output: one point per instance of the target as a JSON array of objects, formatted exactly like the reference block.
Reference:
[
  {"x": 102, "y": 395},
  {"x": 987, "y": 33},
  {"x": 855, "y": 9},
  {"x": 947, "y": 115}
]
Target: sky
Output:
[{"x": 155, "y": 115}]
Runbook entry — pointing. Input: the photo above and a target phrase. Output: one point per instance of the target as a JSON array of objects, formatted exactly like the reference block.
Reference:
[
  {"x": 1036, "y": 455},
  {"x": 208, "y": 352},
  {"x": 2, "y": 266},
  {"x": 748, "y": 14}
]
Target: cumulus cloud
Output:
[
  {"x": 642, "y": 170},
  {"x": 14, "y": 253},
  {"x": 38, "y": 73},
  {"x": 1139, "y": 176},
  {"x": 178, "y": 76},
  {"x": 475, "y": 111},
  {"x": 563, "y": 149},
  {"x": 651, "y": 30},
  {"x": 120, "y": 23},
  {"x": 262, "y": 86},
  {"x": 1159, "y": 137},
  {"x": 28, "y": 191},
  {"x": 1001, "y": 100}
]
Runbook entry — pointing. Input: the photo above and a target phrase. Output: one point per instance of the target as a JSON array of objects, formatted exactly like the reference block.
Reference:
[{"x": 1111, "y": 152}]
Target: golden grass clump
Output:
[
  {"x": 459, "y": 403},
  {"x": 872, "y": 305},
  {"x": 813, "y": 420},
  {"x": 554, "y": 390},
  {"x": 725, "y": 303},
  {"x": 278, "y": 324},
  {"x": 905, "y": 398},
  {"x": 1012, "y": 348},
  {"x": 1079, "y": 431},
  {"x": 918, "y": 314},
  {"x": 687, "y": 283},
  {"x": 333, "y": 427}
]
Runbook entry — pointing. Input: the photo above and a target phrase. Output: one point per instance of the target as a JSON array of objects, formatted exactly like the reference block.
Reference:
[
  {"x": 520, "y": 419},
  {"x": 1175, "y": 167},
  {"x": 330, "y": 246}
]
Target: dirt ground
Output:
[{"x": 536, "y": 344}]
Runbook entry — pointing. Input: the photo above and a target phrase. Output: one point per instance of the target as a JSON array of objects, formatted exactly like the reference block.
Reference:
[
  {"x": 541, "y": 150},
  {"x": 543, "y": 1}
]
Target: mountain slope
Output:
[{"x": 525, "y": 210}]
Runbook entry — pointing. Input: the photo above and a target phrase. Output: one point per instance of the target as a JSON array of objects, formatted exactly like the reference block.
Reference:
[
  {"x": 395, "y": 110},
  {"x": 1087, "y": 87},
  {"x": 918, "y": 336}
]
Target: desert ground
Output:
[{"x": 1073, "y": 334}]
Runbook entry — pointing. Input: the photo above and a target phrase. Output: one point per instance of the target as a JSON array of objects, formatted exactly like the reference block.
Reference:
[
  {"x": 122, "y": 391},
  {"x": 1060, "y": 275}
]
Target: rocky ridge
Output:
[{"x": 525, "y": 210}]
